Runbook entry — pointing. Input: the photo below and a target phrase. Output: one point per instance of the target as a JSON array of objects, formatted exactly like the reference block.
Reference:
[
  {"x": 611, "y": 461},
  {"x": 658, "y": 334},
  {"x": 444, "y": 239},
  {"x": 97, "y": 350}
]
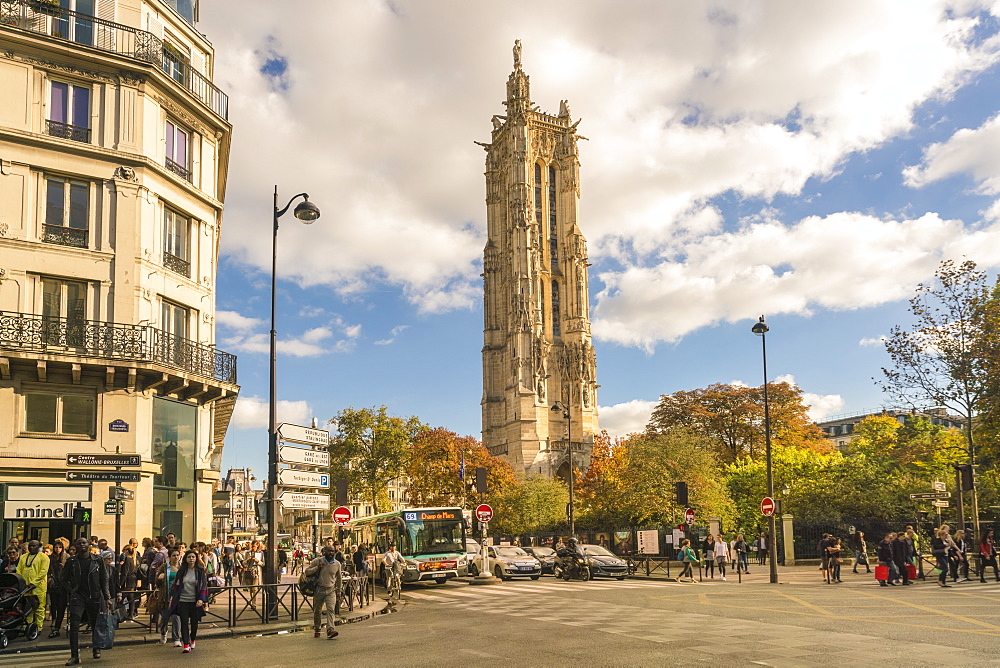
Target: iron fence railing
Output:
[
  {"x": 65, "y": 236},
  {"x": 64, "y": 24},
  {"x": 67, "y": 131},
  {"x": 113, "y": 340},
  {"x": 179, "y": 265}
]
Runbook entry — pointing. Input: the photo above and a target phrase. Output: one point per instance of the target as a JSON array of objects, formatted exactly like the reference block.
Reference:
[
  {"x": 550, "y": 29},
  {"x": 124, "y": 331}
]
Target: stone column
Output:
[{"x": 788, "y": 535}]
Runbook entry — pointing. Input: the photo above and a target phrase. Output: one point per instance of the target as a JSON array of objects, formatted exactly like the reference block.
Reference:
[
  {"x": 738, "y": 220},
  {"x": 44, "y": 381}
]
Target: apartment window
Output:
[
  {"x": 173, "y": 346},
  {"x": 79, "y": 26},
  {"x": 174, "y": 319},
  {"x": 176, "y": 58},
  {"x": 178, "y": 147},
  {"x": 176, "y": 242},
  {"x": 64, "y": 312},
  {"x": 67, "y": 213},
  {"x": 59, "y": 413},
  {"x": 69, "y": 111}
]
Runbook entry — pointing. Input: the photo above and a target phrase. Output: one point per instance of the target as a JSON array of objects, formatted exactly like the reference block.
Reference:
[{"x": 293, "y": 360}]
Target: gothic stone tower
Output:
[{"x": 537, "y": 347}]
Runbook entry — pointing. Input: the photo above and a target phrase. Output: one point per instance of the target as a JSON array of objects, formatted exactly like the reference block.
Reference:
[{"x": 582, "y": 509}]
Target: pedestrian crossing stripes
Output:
[{"x": 448, "y": 593}]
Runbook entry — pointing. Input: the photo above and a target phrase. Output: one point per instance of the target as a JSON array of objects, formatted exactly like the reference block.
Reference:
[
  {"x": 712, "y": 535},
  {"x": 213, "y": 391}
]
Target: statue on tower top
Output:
[{"x": 517, "y": 54}]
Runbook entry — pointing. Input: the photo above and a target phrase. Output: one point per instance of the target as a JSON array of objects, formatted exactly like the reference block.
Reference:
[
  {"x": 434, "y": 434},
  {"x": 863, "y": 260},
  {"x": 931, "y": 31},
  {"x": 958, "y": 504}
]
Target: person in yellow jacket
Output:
[{"x": 34, "y": 568}]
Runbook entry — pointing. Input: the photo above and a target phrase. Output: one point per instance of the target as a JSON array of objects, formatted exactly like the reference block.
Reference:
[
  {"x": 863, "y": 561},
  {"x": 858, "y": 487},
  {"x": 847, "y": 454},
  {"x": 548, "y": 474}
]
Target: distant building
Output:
[
  {"x": 840, "y": 428},
  {"x": 243, "y": 499}
]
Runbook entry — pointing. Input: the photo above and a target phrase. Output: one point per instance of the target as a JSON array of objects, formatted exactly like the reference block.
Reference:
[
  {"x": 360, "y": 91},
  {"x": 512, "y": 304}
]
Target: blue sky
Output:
[{"x": 812, "y": 162}]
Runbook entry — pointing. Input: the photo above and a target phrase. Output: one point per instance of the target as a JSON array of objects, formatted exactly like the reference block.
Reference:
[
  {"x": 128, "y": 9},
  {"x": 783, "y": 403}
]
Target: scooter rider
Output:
[{"x": 570, "y": 554}]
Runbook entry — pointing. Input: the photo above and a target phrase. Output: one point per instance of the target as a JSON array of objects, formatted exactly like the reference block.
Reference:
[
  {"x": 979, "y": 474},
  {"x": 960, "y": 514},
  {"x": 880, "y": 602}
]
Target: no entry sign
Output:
[
  {"x": 484, "y": 513},
  {"x": 767, "y": 506},
  {"x": 342, "y": 515},
  {"x": 689, "y": 516}
]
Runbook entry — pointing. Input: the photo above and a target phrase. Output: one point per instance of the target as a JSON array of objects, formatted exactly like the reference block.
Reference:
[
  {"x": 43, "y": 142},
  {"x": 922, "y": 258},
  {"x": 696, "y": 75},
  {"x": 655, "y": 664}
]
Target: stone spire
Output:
[{"x": 518, "y": 94}]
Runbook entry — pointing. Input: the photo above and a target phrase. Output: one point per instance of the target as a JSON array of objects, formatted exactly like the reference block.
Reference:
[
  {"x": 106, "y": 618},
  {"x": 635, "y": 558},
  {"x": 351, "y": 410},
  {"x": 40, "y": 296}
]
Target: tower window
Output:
[
  {"x": 556, "y": 316},
  {"x": 538, "y": 194},
  {"x": 553, "y": 233}
]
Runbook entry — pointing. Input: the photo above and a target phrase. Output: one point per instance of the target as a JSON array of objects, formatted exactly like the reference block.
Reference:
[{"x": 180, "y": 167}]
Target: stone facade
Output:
[{"x": 537, "y": 347}]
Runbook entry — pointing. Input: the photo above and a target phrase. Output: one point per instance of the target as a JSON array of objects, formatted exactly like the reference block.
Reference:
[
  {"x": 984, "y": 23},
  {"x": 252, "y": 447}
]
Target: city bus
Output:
[{"x": 431, "y": 540}]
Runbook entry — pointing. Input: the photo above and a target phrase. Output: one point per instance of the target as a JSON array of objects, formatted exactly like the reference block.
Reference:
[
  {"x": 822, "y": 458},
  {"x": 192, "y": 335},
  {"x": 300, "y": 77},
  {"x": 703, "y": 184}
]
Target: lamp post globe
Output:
[{"x": 307, "y": 212}]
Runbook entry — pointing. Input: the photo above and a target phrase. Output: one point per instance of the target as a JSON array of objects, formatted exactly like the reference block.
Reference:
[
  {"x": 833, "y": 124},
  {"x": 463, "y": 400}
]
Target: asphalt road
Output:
[{"x": 634, "y": 623}]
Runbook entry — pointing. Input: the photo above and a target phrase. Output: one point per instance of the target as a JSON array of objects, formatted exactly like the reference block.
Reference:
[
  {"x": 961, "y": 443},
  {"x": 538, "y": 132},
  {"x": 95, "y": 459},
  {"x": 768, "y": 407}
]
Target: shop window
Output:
[
  {"x": 174, "y": 447},
  {"x": 59, "y": 413},
  {"x": 178, "y": 159},
  {"x": 176, "y": 242}
]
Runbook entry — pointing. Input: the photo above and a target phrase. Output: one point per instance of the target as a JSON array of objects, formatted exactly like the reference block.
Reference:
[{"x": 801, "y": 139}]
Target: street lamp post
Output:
[
  {"x": 760, "y": 328},
  {"x": 307, "y": 212},
  {"x": 564, "y": 409}
]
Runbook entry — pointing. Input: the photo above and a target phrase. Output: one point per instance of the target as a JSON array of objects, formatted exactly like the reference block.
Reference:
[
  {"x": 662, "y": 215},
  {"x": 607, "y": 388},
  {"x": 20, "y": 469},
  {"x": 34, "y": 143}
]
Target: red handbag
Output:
[
  {"x": 882, "y": 573},
  {"x": 911, "y": 571}
]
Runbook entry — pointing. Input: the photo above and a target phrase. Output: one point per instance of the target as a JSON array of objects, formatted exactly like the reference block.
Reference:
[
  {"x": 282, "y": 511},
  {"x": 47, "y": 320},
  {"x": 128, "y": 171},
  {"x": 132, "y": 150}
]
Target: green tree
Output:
[
  {"x": 536, "y": 504},
  {"x": 434, "y": 464},
  {"x": 370, "y": 448}
]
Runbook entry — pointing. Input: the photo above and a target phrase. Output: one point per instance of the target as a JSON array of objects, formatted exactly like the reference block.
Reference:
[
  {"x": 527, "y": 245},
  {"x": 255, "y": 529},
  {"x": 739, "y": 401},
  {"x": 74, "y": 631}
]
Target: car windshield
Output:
[
  {"x": 597, "y": 551},
  {"x": 511, "y": 552},
  {"x": 543, "y": 551}
]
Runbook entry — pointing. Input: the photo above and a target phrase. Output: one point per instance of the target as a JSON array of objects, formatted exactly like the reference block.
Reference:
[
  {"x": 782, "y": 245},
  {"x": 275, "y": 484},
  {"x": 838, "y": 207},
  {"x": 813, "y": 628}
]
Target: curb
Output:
[{"x": 378, "y": 607}]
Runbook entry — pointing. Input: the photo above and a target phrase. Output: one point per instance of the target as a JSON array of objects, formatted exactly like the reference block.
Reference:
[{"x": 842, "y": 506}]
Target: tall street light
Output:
[
  {"x": 560, "y": 407},
  {"x": 307, "y": 212},
  {"x": 760, "y": 328}
]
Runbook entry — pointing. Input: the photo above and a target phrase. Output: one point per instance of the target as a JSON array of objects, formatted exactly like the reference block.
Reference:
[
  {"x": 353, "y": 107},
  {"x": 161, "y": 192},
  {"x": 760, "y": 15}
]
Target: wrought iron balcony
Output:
[
  {"x": 67, "y": 131},
  {"x": 114, "y": 341},
  {"x": 65, "y": 236},
  {"x": 178, "y": 169},
  {"x": 174, "y": 263},
  {"x": 70, "y": 26}
]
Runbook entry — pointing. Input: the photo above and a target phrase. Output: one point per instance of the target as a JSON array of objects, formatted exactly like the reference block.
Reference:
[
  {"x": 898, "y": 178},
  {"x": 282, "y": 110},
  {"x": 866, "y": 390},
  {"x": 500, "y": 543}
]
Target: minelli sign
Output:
[{"x": 37, "y": 510}]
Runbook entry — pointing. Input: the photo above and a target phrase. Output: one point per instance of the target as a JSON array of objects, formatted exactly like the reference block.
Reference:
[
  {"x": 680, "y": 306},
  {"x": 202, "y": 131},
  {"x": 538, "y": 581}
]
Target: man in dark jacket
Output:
[
  {"x": 902, "y": 552},
  {"x": 85, "y": 582},
  {"x": 884, "y": 553}
]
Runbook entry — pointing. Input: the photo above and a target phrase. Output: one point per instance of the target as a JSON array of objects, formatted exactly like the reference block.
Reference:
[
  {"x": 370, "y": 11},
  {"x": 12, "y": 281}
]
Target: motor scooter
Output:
[{"x": 572, "y": 566}]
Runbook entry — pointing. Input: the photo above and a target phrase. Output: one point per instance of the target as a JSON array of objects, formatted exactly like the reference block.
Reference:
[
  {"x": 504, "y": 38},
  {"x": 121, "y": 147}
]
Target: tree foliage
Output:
[
  {"x": 370, "y": 448},
  {"x": 731, "y": 417},
  {"x": 436, "y": 461},
  {"x": 536, "y": 504}
]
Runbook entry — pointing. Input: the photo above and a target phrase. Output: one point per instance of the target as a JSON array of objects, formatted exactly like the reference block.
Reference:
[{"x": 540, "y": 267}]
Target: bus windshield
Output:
[{"x": 439, "y": 536}]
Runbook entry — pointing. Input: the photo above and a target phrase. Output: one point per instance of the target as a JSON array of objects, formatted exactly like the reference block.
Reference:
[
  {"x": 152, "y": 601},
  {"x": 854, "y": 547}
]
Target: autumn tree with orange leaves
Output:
[{"x": 434, "y": 465}]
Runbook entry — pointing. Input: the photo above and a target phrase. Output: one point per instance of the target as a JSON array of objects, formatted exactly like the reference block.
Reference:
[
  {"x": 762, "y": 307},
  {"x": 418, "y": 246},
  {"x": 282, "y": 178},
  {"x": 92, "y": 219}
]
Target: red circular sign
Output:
[
  {"x": 484, "y": 513},
  {"x": 689, "y": 515},
  {"x": 767, "y": 506},
  {"x": 342, "y": 515}
]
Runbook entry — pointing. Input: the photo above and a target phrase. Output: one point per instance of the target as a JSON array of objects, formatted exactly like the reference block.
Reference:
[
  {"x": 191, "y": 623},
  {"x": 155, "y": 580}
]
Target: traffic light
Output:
[
  {"x": 970, "y": 475},
  {"x": 682, "y": 527},
  {"x": 342, "y": 497},
  {"x": 81, "y": 515},
  {"x": 681, "y": 493},
  {"x": 481, "y": 480}
]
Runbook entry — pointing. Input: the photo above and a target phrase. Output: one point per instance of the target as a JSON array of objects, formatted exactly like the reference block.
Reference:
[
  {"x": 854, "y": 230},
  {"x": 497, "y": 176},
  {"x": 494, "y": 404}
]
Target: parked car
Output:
[
  {"x": 545, "y": 555},
  {"x": 508, "y": 562},
  {"x": 605, "y": 563}
]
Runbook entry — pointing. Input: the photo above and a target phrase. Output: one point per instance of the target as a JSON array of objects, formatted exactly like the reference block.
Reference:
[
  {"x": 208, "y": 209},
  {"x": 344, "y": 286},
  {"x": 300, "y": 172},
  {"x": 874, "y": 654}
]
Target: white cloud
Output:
[
  {"x": 682, "y": 102},
  {"x": 393, "y": 333},
  {"x": 626, "y": 418},
  {"x": 234, "y": 320},
  {"x": 252, "y": 412},
  {"x": 872, "y": 341},
  {"x": 972, "y": 152},
  {"x": 818, "y": 406}
]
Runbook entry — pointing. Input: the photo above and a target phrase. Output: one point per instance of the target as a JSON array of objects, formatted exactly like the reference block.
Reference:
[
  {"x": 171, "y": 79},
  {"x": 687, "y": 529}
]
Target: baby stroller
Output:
[{"x": 17, "y": 607}]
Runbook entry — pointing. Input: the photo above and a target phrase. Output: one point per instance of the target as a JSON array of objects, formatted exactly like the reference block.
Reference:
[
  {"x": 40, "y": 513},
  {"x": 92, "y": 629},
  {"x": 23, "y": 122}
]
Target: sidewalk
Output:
[{"x": 130, "y": 633}]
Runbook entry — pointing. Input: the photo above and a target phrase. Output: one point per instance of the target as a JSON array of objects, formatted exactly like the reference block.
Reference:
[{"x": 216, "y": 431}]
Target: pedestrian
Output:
[
  {"x": 959, "y": 558},
  {"x": 902, "y": 556},
  {"x": 85, "y": 580},
  {"x": 987, "y": 555},
  {"x": 762, "y": 549},
  {"x": 55, "y": 593},
  {"x": 328, "y": 586},
  {"x": 360, "y": 559},
  {"x": 165, "y": 577},
  {"x": 229, "y": 560},
  {"x": 189, "y": 596},
  {"x": 721, "y": 555},
  {"x": 835, "y": 559},
  {"x": 860, "y": 548},
  {"x": 939, "y": 548},
  {"x": 33, "y": 568},
  {"x": 822, "y": 546},
  {"x": 9, "y": 563},
  {"x": 708, "y": 554},
  {"x": 688, "y": 557},
  {"x": 128, "y": 578},
  {"x": 884, "y": 553},
  {"x": 740, "y": 548}
]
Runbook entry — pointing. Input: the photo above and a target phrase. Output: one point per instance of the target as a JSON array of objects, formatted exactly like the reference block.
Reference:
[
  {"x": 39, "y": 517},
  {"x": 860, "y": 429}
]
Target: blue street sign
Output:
[{"x": 118, "y": 425}]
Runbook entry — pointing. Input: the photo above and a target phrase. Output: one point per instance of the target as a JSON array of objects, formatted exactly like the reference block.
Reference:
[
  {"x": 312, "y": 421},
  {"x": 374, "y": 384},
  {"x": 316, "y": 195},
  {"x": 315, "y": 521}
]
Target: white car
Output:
[{"x": 508, "y": 562}]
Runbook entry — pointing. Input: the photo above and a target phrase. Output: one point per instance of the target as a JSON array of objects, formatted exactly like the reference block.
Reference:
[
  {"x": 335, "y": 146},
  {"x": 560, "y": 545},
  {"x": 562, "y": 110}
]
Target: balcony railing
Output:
[
  {"x": 174, "y": 263},
  {"x": 88, "y": 30},
  {"x": 67, "y": 131},
  {"x": 65, "y": 236},
  {"x": 178, "y": 169},
  {"x": 113, "y": 340}
]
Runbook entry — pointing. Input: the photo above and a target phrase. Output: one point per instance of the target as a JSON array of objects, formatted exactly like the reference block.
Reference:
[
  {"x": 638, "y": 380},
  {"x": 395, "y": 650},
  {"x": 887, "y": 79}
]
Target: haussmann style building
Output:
[
  {"x": 537, "y": 346},
  {"x": 114, "y": 149}
]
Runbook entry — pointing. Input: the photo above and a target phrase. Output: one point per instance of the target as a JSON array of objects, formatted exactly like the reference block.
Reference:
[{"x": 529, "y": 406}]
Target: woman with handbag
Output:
[
  {"x": 165, "y": 577},
  {"x": 128, "y": 579},
  {"x": 189, "y": 597},
  {"x": 860, "y": 552},
  {"x": 835, "y": 552}
]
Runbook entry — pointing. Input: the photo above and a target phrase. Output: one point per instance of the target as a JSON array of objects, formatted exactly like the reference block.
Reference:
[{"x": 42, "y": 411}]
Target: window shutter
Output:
[
  {"x": 154, "y": 25},
  {"x": 106, "y": 34},
  {"x": 198, "y": 62}
]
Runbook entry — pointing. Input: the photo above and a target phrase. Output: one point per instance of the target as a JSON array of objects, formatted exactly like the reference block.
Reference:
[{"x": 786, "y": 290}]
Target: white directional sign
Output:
[
  {"x": 303, "y": 456},
  {"x": 300, "y": 434},
  {"x": 305, "y": 501},
  {"x": 303, "y": 479}
]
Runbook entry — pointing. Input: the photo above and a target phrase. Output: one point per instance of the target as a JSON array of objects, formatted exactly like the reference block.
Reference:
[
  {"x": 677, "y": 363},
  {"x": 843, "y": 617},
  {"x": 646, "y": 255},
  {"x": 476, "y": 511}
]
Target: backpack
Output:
[
  {"x": 309, "y": 583},
  {"x": 680, "y": 555}
]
